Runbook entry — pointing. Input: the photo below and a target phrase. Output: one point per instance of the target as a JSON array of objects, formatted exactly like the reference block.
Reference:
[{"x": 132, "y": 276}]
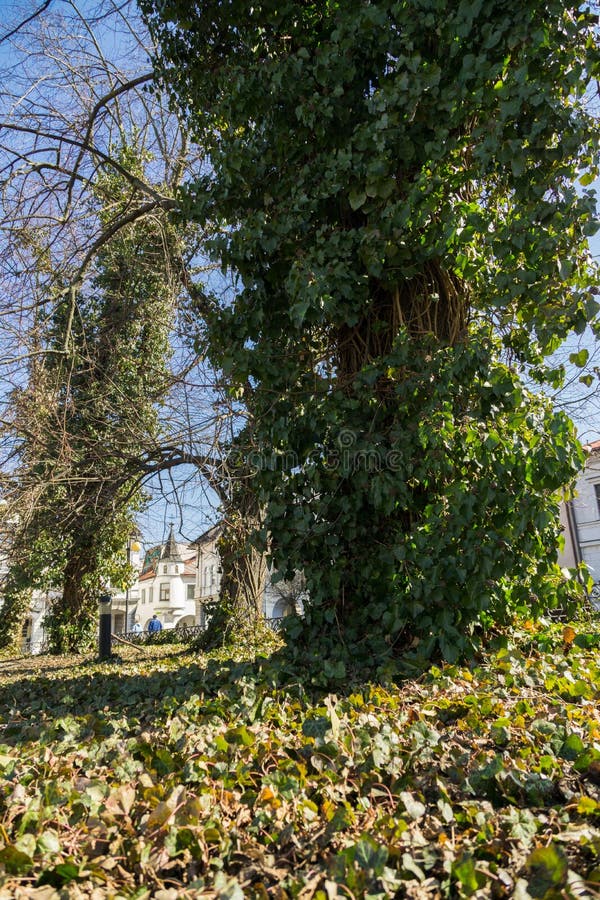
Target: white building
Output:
[
  {"x": 208, "y": 571},
  {"x": 32, "y": 633},
  {"x": 33, "y": 636},
  {"x": 166, "y": 587},
  {"x": 580, "y": 518},
  {"x": 279, "y": 599}
]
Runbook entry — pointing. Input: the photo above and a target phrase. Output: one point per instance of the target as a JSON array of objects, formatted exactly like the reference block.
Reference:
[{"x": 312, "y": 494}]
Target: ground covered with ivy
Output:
[{"x": 170, "y": 775}]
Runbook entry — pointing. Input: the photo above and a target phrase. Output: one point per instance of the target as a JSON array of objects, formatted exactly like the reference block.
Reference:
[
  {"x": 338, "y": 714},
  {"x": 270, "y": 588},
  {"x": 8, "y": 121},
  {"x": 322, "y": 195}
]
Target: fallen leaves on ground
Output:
[{"x": 181, "y": 776}]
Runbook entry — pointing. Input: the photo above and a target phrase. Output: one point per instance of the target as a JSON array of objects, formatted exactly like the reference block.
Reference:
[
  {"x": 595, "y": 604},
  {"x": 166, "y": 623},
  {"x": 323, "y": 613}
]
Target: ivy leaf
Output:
[
  {"x": 298, "y": 311},
  {"x": 357, "y": 199},
  {"x": 548, "y": 868},
  {"x": 580, "y": 358},
  {"x": 15, "y": 861},
  {"x": 572, "y": 747},
  {"x": 370, "y": 855},
  {"x": 587, "y": 179},
  {"x": 415, "y": 809},
  {"x": 61, "y": 874},
  {"x": 565, "y": 267},
  {"x": 228, "y": 888},
  {"x": 465, "y": 872},
  {"x": 48, "y": 842}
]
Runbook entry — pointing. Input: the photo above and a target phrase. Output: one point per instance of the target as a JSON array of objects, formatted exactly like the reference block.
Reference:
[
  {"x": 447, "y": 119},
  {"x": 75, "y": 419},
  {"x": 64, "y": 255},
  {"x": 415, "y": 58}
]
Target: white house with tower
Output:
[{"x": 166, "y": 586}]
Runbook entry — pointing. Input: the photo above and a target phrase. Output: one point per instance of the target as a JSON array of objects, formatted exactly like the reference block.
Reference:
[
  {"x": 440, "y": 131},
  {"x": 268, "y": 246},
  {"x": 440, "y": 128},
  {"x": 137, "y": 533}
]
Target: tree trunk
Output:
[
  {"x": 72, "y": 623},
  {"x": 239, "y": 611},
  {"x": 13, "y": 612}
]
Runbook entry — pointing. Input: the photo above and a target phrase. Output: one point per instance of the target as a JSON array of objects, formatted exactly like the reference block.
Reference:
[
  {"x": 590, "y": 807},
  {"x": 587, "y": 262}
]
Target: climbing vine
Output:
[
  {"x": 86, "y": 418},
  {"x": 397, "y": 185}
]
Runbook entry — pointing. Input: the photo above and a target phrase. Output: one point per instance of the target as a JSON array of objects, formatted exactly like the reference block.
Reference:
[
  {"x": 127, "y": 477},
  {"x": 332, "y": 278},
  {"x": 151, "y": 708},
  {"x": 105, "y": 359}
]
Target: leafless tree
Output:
[{"x": 80, "y": 110}]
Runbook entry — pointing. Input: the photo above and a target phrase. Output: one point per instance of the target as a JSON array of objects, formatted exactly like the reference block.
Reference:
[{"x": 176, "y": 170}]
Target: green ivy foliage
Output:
[
  {"x": 459, "y": 510},
  {"x": 395, "y": 184},
  {"x": 166, "y": 774},
  {"x": 84, "y": 420}
]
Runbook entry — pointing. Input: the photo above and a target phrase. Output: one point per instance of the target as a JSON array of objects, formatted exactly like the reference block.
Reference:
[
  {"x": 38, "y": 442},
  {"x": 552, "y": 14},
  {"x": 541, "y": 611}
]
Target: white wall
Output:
[
  {"x": 587, "y": 515},
  {"x": 208, "y": 577},
  {"x": 179, "y": 605}
]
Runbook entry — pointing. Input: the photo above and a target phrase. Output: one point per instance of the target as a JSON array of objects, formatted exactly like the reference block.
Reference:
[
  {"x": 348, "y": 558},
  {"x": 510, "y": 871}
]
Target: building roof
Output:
[
  {"x": 170, "y": 551},
  {"x": 592, "y": 446},
  {"x": 189, "y": 568},
  {"x": 208, "y": 536}
]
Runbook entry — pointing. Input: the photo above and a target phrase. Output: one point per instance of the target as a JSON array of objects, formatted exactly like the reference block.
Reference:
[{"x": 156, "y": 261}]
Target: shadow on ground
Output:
[{"x": 40, "y": 697}]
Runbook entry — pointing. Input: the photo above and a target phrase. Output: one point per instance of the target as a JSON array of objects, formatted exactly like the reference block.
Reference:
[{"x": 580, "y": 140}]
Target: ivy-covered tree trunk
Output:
[
  {"x": 89, "y": 414},
  {"x": 398, "y": 184},
  {"x": 430, "y": 311},
  {"x": 243, "y": 568},
  {"x": 238, "y": 614},
  {"x": 72, "y": 622},
  {"x": 93, "y": 268}
]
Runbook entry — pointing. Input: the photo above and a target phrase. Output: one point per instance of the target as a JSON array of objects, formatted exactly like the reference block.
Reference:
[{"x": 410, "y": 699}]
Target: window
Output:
[
  {"x": 597, "y": 492},
  {"x": 212, "y": 575},
  {"x": 190, "y": 591},
  {"x": 164, "y": 570},
  {"x": 205, "y": 576},
  {"x": 165, "y": 591},
  {"x": 177, "y": 570},
  {"x": 143, "y": 595},
  {"x": 150, "y": 594}
]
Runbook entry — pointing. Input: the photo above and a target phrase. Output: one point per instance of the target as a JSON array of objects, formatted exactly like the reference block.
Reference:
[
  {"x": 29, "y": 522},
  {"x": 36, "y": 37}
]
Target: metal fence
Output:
[
  {"x": 34, "y": 648},
  {"x": 183, "y": 634}
]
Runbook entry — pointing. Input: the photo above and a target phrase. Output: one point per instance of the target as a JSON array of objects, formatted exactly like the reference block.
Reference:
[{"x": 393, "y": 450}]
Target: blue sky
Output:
[
  {"x": 586, "y": 413},
  {"x": 185, "y": 500}
]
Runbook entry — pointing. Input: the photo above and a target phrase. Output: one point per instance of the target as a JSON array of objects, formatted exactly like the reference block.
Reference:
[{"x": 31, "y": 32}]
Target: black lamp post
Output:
[{"x": 105, "y": 631}]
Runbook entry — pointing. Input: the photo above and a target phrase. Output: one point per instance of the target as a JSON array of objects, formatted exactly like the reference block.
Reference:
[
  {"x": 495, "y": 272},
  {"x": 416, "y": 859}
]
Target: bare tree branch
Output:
[
  {"x": 60, "y": 139},
  {"x": 112, "y": 95},
  {"x": 25, "y": 22}
]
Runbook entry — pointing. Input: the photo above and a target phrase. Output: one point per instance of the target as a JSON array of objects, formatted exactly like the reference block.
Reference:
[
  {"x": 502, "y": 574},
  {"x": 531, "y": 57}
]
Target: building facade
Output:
[
  {"x": 165, "y": 587},
  {"x": 580, "y": 518},
  {"x": 279, "y": 598},
  {"x": 208, "y": 572}
]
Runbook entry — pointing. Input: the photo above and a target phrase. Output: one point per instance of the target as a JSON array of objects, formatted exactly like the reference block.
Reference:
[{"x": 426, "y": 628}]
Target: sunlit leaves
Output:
[{"x": 214, "y": 774}]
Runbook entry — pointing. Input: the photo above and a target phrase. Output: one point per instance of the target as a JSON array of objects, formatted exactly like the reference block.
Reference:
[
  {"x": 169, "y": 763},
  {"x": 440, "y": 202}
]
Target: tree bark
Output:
[
  {"x": 72, "y": 622},
  {"x": 239, "y": 611}
]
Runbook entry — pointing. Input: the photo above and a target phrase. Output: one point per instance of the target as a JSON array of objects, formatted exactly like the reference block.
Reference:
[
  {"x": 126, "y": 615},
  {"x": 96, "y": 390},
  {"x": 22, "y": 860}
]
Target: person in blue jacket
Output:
[{"x": 154, "y": 625}]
